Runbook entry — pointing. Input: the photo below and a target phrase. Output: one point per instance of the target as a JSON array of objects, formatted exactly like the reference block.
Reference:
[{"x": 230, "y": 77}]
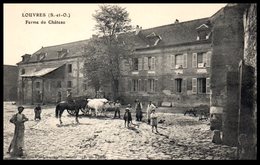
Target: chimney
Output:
[
  {"x": 176, "y": 21},
  {"x": 137, "y": 29}
]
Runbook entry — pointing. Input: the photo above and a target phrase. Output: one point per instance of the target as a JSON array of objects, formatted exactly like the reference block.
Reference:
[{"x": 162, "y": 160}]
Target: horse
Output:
[
  {"x": 97, "y": 104},
  {"x": 72, "y": 108}
]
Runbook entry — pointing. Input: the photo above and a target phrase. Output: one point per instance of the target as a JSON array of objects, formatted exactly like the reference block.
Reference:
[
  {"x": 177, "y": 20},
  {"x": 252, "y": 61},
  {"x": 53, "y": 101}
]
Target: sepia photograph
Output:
[{"x": 129, "y": 81}]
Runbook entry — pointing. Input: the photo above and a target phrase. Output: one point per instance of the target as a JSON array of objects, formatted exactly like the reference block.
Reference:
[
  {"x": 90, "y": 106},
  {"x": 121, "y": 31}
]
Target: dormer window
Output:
[
  {"x": 26, "y": 57},
  {"x": 40, "y": 56},
  {"x": 203, "y": 32},
  {"x": 62, "y": 53},
  {"x": 154, "y": 39}
]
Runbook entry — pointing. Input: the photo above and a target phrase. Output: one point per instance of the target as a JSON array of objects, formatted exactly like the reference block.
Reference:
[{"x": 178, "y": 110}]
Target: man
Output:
[
  {"x": 69, "y": 97},
  {"x": 17, "y": 144},
  {"x": 150, "y": 107},
  {"x": 117, "y": 108}
]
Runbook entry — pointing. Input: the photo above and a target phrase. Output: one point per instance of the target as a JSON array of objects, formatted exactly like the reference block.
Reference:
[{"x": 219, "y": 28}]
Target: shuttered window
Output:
[
  {"x": 194, "y": 60},
  {"x": 201, "y": 85},
  {"x": 194, "y": 85},
  {"x": 184, "y": 60},
  {"x": 152, "y": 63},
  {"x": 139, "y": 85},
  {"x": 145, "y": 85},
  {"x": 208, "y": 58},
  {"x": 208, "y": 85},
  {"x": 140, "y": 61},
  {"x": 178, "y": 85},
  {"x": 146, "y": 63},
  {"x": 135, "y": 63}
]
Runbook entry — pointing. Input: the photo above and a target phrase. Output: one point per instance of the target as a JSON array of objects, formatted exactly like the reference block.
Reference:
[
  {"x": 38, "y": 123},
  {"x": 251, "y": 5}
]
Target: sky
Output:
[{"x": 22, "y": 37}]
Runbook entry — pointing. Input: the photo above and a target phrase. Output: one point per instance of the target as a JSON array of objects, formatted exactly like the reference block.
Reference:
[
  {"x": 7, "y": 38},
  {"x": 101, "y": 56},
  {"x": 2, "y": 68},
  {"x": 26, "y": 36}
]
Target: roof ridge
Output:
[
  {"x": 64, "y": 43},
  {"x": 176, "y": 23}
]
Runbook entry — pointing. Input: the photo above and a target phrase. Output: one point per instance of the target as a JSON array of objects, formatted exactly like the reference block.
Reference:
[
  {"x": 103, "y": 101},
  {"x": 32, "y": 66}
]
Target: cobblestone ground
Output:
[{"x": 179, "y": 137}]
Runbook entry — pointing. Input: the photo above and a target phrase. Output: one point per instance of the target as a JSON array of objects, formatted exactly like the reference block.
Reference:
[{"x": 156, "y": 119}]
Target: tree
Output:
[{"x": 103, "y": 53}]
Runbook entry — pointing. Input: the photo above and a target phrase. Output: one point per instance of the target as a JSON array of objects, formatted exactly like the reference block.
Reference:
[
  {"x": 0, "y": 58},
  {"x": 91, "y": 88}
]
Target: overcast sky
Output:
[{"x": 21, "y": 38}]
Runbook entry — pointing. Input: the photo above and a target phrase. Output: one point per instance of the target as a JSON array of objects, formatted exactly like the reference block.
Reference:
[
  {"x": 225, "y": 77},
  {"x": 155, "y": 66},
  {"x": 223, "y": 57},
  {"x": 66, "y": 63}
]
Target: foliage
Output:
[{"x": 105, "y": 50}]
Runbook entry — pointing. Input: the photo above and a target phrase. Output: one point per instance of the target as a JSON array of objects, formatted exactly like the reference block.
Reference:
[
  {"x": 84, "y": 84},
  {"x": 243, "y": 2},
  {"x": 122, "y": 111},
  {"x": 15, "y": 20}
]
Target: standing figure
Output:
[
  {"x": 138, "y": 108},
  {"x": 127, "y": 115},
  {"x": 17, "y": 145},
  {"x": 37, "y": 112},
  {"x": 154, "y": 120},
  {"x": 117, "y": 108},
  {"x": 150, "y": 107}
]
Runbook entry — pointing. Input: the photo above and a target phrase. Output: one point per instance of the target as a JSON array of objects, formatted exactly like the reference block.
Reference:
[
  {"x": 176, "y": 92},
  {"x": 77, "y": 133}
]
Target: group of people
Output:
[
  {"x": 150, "y": 111},
  {"x": 17, "y": 144}
]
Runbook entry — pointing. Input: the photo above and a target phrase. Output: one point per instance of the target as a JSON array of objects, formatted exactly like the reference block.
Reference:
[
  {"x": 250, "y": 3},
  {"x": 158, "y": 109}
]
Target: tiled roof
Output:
[
  {"x": 74, "y": 49},
  {"x": 172, "y": 34}
]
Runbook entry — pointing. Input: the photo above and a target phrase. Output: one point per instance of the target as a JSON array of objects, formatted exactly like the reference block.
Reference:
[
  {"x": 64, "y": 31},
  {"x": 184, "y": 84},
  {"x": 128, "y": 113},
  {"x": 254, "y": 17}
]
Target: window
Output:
[
  {"x": 201, "y": 60},
  {"x": 151, "y": 63},
  {"x": 38, "y": 56},
  {"x": 135, "y": 85},
  {"x": 178, "y": 61},
  {"x": 151, "y": 86},
  {"x": 58, "y": 84},
  {"x": 69, "y": 68},
  {"x": 178, "y": 85},
  {"x": 69, "y": 84},
  {"x": 201, "y": 85},
  {"x": 202, "y": 35},
  {"x": 37, "y": 85},
  {"x": 135, "y": 63},
  {"x": 23, "y": 71},
  {"x": 189, "y": 84}
]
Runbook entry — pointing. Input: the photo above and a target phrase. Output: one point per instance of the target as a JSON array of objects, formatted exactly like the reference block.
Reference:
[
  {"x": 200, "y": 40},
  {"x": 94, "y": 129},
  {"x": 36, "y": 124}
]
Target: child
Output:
[
  {"x": 127, "y": 116},
  {"x": 154, "y": 120},
  {"x": 37, "y": 112}
]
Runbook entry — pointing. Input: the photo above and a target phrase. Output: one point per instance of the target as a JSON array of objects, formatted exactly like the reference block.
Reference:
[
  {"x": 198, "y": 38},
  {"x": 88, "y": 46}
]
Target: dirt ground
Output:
[{"x": 180, "y": 137}]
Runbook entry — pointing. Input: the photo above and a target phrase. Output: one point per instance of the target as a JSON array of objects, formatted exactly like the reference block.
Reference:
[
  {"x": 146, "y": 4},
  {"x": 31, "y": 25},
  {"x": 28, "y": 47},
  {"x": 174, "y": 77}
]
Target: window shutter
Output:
[
  {"x": 208, "y": 58},
  {"x": 156, "y": 85},
  {"x": 153, "y": 64},
  {"x": 130, "y": 84},
  {"x": 172, "y": 61},
  {"x": 145, "y": 63},
  {"x": 208, "y": 85},
  {"x": 173, "y": 85},
  {"x": 194, "y": 85},
  {"x": 156, "y": 62},
  {"x": 145, "y": 85},
  {"x": 194, "y": 60},
  {"x": 184, "y": 60},
  {"x": 140, "y": 63},
  {"x": 139, "y": 85},
  {"x": 130, "y": 63},
  {"x": 183, "y": 85}
]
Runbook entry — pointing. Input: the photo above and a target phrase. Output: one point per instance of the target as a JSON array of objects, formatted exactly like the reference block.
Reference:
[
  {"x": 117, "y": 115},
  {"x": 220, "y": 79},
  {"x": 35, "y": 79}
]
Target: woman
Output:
[
  {"x": 17, "y": 145},
  {"x": 138, "y": 108},
  {"x": 150, "y": 107}
]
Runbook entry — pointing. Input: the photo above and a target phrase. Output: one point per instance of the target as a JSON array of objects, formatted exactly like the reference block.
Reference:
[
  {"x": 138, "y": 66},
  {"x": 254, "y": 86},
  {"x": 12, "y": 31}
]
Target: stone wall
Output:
[
  {"x": 227, "y": 41},
  {"x": 10, "y": 82}
]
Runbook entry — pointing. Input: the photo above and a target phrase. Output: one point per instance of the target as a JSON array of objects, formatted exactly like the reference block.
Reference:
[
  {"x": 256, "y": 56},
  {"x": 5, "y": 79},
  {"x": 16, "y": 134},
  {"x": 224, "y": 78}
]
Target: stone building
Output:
[
  {"x": 170, "y": 65},
  {"x": 10, "y": 82},
  {"x": 46, "y": 75},
  {"x": 233, "y": 77}
]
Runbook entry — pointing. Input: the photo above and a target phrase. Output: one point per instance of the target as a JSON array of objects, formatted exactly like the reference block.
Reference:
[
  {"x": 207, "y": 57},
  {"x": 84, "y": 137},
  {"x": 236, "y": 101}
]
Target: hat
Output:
[
  {"x": 127, "y": 109},
  {"x": 128, "y": 105},
  {"x": 20, "y": 107}
]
